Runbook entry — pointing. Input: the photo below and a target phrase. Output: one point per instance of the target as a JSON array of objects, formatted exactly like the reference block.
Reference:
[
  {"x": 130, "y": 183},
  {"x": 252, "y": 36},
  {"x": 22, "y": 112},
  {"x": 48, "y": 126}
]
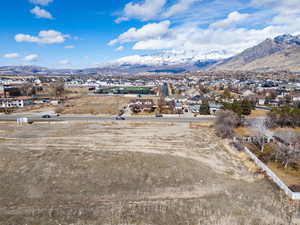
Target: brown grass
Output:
[
  {"x": 259, "y": 113},
  {"x": 87, "y": 173},
  {"x": 76, "y": 92},
  {"x": 243, "y": 131},
  {"x": 96, "y": 105},
  {"x": 285, "y": 129},
  {"x": 144, "y": 114},
  {"x": 290, "y": 176},
  {"x": 199, "y": 125}
]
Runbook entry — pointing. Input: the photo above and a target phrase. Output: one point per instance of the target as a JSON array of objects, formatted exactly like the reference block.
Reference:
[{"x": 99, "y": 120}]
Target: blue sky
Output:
[{"x": 80, "y": 34}]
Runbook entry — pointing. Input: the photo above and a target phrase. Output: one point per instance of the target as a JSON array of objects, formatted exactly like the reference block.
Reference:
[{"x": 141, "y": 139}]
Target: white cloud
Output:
[
  {"x": 284, "y": 4},
  {"x": 41, "y": 13},
  {"x": 146, "y": 10},
  {"x": 119, "y": 49},
  {"x": 231, "y": 20},
  {"x": 11, "y": 56},
  {"x": 151, "y": 30},
  {"x": 41, "y": 2},
  {"x": 31, "y": 58},
  {"x": 190, "y": 38},
  {"x": 273, "y": 17},
  {"x": 155, "y": 44},
  {"x": 121, "y": 19},
  {"x": 179, "y": 7},
  {"x": 64, "y": 62},
  {"x": 287, "y": 11},
  {"x": 44, "y": 37},
  {"x": 69, "y": 46},
  {"x": 153, "y": 9}
]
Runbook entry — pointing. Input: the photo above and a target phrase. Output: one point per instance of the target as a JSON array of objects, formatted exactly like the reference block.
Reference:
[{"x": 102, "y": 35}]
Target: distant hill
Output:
[{"x": 280, "y": 53}]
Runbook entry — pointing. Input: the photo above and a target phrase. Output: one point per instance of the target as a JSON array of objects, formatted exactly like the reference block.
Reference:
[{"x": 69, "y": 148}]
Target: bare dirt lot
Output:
[
  {"x": 128, "y": 173},
  {"x": 96, "y": 105}
]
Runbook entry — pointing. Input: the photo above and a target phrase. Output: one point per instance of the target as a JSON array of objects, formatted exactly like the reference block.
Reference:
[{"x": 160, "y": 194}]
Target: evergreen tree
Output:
[
  {"x": 246, "y": 107},
  {"x": 204, "y": 108}
]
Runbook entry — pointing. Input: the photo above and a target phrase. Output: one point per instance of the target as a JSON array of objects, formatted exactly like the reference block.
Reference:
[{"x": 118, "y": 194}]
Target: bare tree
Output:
[
  {"x": 225, "y": 123},
  {"x": 58, "y": 89},
  {"x": 287, "y": 151},
  {"x": 262, "y": 131}
]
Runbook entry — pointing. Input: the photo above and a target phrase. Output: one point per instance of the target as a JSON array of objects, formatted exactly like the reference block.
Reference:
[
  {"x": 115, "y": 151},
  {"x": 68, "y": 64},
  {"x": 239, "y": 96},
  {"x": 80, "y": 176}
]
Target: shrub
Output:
[
  {"x": 204, "y": 108},
  {"x": 225, "y": 123},
  {"x": 284, "y": 116},
  {"x": 240, "y": 107},
  {"x": 59, "y": 109}
]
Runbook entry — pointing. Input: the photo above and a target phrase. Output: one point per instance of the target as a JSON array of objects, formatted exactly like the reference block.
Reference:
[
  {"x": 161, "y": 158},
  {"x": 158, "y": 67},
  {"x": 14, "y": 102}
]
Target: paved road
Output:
[{"x": 109, "y": 118}]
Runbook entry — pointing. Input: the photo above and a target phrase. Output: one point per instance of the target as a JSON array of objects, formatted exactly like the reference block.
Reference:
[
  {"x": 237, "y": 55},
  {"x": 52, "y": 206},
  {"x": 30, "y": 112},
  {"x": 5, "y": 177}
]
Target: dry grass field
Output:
[
  {"x": 259, "y": 113},
  {"x": 244, "y": 131},
  {"x": 96, "y": 105},
  {"x": 128, "y": 173}
]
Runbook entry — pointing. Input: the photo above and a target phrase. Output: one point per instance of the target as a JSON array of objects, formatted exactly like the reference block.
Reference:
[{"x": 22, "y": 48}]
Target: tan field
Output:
[
  {"x": 244, "y": 131},
  {"x": 128, "y": 173},
  {"x": 259, "y": 113},
  {"x": 96, "y": 105}
]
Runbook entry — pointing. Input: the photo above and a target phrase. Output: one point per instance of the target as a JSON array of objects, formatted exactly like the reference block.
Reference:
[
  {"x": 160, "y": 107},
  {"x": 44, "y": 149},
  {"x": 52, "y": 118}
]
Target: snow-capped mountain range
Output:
[
  {"x": 169, "y": 58},
  {"x": 288, "y": 39},
  {"x": 280, "y": 53}
]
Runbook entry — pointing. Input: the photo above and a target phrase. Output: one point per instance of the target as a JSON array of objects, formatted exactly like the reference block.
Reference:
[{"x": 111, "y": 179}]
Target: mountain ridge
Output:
[
  {"x": 277, "y": 54},
  {"x": 280, "y": 53}
]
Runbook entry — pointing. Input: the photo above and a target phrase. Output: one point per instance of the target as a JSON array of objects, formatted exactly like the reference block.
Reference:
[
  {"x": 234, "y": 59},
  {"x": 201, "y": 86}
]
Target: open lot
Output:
[
  {"x": 259, "y": 113},
  {"x": 128, "y": 173},
  {"x": 110, "y": 105}
]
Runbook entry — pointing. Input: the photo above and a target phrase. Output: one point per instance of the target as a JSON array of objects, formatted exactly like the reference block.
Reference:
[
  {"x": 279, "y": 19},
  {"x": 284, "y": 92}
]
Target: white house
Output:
[
  {"x": 15, "y": 102},
  {"x": 214, "y": 108}
]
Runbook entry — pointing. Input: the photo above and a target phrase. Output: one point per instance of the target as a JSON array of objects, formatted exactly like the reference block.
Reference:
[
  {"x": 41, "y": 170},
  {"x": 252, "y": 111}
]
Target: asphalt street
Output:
[{"x": 5, "y": 118}]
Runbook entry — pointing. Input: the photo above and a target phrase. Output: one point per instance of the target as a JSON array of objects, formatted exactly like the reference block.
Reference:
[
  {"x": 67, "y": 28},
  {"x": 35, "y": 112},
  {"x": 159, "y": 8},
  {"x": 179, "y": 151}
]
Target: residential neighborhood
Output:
[{"x": 183, "y": 94}]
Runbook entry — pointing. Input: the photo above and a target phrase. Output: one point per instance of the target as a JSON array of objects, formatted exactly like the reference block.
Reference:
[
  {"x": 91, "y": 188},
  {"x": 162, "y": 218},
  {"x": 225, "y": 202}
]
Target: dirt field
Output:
[
  {"x": 125, "y": 173},
  {"x": 244, "y": 131},
  {"x": 259, "y": 113},
  {"x": 96, "y": 105}
]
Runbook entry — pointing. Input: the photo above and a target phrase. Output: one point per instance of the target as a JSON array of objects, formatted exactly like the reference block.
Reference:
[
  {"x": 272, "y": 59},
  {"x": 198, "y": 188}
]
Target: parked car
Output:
[
  {"x": 159, "y": 115},
  {"x": 120, "y": 118},
  {"x": 46, "y": 116}
]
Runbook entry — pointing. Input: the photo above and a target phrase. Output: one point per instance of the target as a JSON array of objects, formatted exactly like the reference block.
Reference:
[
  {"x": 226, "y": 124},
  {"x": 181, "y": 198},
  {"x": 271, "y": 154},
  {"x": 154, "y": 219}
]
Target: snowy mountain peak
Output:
[
  {"x": 168, "y": 58},
  {"x": 288, "y": 39}
]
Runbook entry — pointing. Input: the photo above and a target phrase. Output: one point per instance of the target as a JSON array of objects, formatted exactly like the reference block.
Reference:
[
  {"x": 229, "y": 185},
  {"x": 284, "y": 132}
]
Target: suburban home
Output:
[
  {"x": 274, "y": 103},
  {"x": 261, "y": 101},
  {"x": 178, "y": 106},
  {"x": 1, "y": 91},
  {"x": 194, "y": 108},
  {"x": 296, "y": 97},
  {"x": 197, "y": 99},
  {"x": 247, "y": 93},
  {"x": 142, "y": 105},
  {"x": 18, "y": 102},
  {"x": 214, "y": 108}
]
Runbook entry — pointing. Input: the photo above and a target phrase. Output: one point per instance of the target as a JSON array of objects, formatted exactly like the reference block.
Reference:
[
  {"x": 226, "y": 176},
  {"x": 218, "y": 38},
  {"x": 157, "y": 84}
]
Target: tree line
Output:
[
  {"x": 285, "y": 116},
  {"x": 232, "y": 117}
]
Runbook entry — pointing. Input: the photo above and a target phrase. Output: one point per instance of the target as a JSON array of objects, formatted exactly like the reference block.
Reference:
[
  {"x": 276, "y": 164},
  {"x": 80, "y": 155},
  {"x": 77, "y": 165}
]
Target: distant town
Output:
[{"x": 172, "y": 94}]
